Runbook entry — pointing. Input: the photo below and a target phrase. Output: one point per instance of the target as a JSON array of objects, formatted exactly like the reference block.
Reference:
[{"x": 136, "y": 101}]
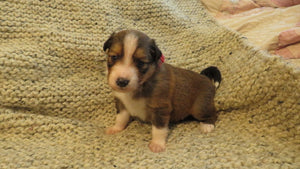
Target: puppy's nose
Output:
[{"x": 122, "y": 82}]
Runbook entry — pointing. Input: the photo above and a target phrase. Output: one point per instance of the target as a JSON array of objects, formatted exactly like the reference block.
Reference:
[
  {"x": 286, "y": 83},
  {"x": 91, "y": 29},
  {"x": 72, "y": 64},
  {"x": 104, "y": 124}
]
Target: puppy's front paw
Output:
[
  {"x": 157, "y": 147},
  {"x": 206, "y": 128},
  {"x": 112, "y": 130}
]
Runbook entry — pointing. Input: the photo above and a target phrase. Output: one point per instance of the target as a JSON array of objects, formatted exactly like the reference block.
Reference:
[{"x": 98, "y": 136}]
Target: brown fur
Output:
[{"x": 174, "y": 93}]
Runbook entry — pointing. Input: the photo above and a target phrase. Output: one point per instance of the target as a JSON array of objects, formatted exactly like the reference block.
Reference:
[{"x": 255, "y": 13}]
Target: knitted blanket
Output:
[{"x": 55, "y": 102}]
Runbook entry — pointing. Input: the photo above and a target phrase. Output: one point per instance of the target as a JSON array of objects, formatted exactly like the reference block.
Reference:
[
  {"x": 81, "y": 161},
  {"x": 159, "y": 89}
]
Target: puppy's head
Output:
[{"x": 132, "y": 58}]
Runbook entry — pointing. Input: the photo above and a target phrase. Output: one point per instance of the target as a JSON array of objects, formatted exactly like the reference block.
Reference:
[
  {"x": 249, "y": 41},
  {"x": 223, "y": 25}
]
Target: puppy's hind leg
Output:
[
  {"x": 206, "y": 127},
  {"x": 207, "y": 124},
  {"x": 206, "y": 113}
]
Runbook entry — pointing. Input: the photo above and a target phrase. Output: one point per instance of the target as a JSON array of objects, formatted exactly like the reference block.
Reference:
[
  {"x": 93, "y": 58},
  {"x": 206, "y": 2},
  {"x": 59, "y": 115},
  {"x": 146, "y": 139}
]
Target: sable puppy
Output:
[{"x": 153, "y": 91}]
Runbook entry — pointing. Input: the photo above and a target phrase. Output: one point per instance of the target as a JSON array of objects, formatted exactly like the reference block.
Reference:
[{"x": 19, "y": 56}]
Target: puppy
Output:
[{"x": 146, "y": 88}]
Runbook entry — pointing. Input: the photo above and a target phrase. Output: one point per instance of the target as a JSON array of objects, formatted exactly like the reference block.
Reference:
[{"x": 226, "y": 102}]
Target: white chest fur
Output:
[{"x": 135, "y": 107}]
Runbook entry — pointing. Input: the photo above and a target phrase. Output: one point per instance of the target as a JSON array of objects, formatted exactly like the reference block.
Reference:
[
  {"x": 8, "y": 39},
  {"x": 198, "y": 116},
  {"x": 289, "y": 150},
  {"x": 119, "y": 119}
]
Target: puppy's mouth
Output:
[{"x": 121, "y": 89}]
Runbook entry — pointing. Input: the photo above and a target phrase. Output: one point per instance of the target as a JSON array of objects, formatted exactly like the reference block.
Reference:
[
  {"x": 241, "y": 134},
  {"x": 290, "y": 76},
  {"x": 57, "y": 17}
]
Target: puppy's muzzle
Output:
[{"x": 122, "y": 82}]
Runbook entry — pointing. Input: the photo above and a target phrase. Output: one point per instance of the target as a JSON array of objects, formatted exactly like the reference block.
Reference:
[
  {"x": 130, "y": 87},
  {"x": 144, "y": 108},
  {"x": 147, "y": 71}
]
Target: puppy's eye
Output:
[
  {"x": 114, "y": 57},
  {"x": 140, "y": 63}
]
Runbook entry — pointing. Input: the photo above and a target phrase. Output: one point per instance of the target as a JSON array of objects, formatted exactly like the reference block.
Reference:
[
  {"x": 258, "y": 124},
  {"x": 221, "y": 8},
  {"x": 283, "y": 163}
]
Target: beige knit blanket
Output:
[{"x": 55, "y": 103}]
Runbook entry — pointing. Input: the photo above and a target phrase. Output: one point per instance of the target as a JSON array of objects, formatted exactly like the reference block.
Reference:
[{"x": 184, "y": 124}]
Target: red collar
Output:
[{"x": 161, "y": 60}]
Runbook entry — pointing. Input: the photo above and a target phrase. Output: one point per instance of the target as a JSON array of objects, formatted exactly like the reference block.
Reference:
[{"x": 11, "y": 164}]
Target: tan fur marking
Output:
[
  {"x": 140, "y": 53},
  {"x": 116, "y": 49}
]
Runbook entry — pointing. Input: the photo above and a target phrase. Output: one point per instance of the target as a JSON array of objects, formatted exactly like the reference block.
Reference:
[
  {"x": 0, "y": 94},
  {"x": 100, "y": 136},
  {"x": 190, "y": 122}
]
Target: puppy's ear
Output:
[
  {"x": 108, "y": 42},
  {"x": 154, "y": 51}
]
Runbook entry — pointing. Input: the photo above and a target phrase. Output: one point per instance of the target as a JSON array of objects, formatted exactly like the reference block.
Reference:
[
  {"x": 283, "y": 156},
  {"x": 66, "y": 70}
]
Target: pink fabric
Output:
[
  {"x": 273, "y": 25},
  {"x": 284, "y": 53},
  {"x": 237, "y": 7},
  {"x": 290, "y": 52},
  {"x": 286, "y": 3},
  {"x": 288, "y": 37},
  {"x": 289, "y": 43}
]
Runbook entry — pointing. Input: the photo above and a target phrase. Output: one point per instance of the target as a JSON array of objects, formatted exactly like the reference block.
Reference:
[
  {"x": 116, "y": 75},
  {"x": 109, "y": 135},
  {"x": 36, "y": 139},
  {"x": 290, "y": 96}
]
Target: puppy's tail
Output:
[{"x": 214, "y": 74}]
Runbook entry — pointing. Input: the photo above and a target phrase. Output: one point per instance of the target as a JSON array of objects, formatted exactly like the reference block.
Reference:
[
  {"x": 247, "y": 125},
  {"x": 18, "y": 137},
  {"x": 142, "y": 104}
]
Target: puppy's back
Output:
[{"x": 188, "y": 87}]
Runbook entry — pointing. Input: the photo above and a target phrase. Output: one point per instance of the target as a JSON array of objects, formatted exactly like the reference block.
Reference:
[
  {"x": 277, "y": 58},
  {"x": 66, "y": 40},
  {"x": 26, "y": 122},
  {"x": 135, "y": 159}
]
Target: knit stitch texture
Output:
[{"x": 55, "y": 102}]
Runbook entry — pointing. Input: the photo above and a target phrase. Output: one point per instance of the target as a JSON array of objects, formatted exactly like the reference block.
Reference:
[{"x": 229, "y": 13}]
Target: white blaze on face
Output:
[
  {"x": 125, "y": 69},
  {"x": 130, "y": 45}
]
